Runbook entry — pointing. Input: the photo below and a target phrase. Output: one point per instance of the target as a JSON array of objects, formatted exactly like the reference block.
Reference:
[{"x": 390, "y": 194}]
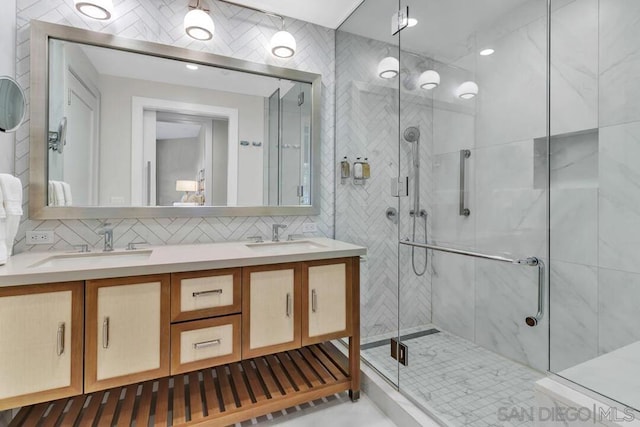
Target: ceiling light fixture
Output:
[
  {"x": 95, "y": 9},
  {"x": 412, "y": 22},
  {"x": 192, "y": 67},
  {"x": 487, "y": 52},
  {"x": 428, "y": 80},
  {"x": 198, "y": 23},
  {"x": 283, "y": 44},
  {"x": 388, "y": 68},
  {"x": 467, "y": 90}
]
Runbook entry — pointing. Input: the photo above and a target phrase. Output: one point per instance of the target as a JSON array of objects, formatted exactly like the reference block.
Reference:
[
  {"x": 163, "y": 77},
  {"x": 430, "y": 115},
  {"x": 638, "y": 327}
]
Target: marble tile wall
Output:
[
  {"x": 367, "y": 125},
  {"x": 240, "y": 33}
]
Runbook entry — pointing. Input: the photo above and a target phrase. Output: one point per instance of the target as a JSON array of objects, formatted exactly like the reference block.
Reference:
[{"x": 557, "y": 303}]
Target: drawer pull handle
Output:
[
  {"x": 61, "y": 339},
  {"x": 204, "y": 344},
  {"x": 205, "y": 293},
  {"x": 105, "y": 333},
  {"x": 314, "y": 301},
  {"x": 288, "y": 305}
]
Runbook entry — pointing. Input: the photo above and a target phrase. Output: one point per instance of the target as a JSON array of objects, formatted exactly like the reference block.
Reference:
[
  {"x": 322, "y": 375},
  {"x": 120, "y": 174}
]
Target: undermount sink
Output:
[
  {"x": 285, "y": 247},
  {"x": 93, "y": 259}
]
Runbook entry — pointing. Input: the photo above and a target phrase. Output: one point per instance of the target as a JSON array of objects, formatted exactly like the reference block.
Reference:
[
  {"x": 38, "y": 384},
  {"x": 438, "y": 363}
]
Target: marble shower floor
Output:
[{"x": 459, "y": 381}]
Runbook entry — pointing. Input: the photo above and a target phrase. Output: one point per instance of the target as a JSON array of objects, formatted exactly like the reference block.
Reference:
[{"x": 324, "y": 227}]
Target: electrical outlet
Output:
[
  {"x": 309, "y": 227},
  {"x": 40, "y": 237}
]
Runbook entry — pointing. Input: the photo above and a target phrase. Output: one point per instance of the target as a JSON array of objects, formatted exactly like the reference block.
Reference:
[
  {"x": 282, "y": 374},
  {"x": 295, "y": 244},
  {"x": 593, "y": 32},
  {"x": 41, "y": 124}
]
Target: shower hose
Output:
[{"x": 421, "y": 214}]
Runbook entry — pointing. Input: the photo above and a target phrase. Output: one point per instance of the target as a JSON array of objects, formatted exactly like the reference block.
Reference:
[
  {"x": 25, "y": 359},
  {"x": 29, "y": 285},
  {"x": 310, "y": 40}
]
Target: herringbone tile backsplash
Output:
[{"x": 240, "y": 33}]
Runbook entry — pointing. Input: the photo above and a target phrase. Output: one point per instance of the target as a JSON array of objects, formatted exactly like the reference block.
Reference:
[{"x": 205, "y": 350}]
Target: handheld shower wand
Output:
[{"x": 412, "y": 136}]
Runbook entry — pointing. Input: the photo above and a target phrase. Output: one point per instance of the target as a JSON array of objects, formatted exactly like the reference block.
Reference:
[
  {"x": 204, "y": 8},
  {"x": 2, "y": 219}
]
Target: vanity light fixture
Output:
[
  {"x": 198, "y": 23},
  {"x": 96, "y": 9},
  {"x": 488, "y": 51},
  {"x": 428, "y": 80},
  {"x": 283, "y": 44},
  {"x": 467, "y": 90},
  {"x": 388, "y": 68}
]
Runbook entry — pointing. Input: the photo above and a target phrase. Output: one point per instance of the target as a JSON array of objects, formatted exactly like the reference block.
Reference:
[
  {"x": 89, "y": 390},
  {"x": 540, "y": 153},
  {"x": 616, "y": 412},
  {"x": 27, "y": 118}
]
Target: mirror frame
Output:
[{"x": 41, "y": 32}]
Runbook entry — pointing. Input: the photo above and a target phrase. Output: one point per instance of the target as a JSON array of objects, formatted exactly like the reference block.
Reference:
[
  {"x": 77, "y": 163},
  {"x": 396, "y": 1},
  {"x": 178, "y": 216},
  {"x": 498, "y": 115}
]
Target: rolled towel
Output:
[
  {"x": 12, "y": 194},
  {"x": 51, "y": 194},
  {"x": 58, "y": 194},
  {"x": 66, "y": 189}
]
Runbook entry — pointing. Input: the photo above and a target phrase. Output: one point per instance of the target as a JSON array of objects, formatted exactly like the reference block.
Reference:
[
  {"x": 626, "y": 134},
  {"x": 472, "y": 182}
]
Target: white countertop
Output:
[{"x": 31, "y": 267}]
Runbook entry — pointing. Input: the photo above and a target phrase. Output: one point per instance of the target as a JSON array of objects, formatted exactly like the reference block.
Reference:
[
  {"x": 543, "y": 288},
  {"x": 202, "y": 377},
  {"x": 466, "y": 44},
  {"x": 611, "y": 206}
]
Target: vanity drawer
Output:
[
  {"x": 205, "y": 343},
  {"x": 202, "y": 294}
]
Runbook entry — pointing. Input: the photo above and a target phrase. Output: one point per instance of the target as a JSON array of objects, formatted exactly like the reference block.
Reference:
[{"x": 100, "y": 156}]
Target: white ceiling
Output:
[{"x": 328, "y": 13}]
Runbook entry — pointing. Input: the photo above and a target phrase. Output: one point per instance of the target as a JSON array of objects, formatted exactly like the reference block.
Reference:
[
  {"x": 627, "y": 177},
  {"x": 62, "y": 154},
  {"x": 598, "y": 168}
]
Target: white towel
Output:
[
  {"x": 58, "y": 194},
  {"x": 50, "y": 194},
  {"x": 12, "y": 194},
  {"x": 66, "y": 189},
  {"x": 3, "y": 231}
]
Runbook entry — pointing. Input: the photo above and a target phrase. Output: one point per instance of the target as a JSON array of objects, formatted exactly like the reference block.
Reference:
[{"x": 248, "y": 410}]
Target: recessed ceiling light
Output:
[
  {"x": 412, "y": 22},
  {"x": 192, "y": 66},
  {"x": 487, "y": 52}
]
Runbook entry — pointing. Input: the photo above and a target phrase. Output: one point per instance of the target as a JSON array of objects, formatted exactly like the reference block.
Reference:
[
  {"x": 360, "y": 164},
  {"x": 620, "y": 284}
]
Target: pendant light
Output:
[
  {"x": 198, "y": 23},
  {"x": 283, "y": 44},
  {"x": 388, "y": 68},
  {"x": 467, "y": 90},
  {"x": 428, "y": 80},
  {"x": 96, "y": 9}
]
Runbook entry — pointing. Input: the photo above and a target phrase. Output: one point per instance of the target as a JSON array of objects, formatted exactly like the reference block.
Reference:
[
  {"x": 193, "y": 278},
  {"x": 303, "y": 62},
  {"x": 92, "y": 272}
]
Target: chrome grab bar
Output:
[
  {"x": 530, "y": 261},
  {"x": 464, "y": 154}
]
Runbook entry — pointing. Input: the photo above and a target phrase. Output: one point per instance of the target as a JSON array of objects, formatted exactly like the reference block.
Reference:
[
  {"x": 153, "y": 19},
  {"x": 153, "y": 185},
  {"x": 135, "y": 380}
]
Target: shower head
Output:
[{"x": 412, "y": 134}]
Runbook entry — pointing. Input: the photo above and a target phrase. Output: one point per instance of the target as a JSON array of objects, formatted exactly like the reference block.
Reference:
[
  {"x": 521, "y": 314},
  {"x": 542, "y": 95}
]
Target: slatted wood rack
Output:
[{"x": 216, "y": 396}]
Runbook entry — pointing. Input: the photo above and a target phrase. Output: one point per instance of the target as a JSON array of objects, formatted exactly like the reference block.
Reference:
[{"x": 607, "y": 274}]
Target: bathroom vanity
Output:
[{"x": 212, "y": 333}]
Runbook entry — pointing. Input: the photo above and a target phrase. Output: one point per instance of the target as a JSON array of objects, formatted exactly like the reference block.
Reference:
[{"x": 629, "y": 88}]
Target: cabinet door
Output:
[
  {"x": 40, "y": 343},
  {"x": 270, "y": 309},
  {"x": 326, "y": 301},
  {"x": 127, "y": 331}
]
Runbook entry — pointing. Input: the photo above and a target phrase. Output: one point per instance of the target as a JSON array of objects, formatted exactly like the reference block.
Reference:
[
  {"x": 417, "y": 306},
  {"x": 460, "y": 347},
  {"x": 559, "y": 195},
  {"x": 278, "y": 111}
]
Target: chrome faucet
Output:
[
  {"x": 107, "y": 232},
  {"x": 275, "y": 235}
]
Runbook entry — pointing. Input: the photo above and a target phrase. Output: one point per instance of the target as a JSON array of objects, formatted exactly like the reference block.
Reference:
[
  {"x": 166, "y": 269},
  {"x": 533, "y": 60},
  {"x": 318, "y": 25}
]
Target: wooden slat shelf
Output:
[{"x": 213, "y": 396}]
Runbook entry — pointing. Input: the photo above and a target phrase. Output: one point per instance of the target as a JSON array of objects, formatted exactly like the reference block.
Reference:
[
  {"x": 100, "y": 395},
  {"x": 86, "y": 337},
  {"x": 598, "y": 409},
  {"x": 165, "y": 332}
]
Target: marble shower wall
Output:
[
  {"x": 240, "y": 33},
  {"x": 595, "y": 262},
  {"x": 367, "y": 124}
]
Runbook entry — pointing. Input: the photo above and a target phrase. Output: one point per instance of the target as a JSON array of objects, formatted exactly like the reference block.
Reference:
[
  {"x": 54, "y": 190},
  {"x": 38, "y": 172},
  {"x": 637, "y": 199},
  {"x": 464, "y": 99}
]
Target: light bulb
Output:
[
  {"x": 199, "y": 25},
  {"x": 487, "y": 52},
  {"x": 388, "y": 68},
  {"x": 467, "y": 90},
  {"x": 95, "y": 9},
  {"x": 428, "y": 80},
  {"x": 283, "y": 45}
]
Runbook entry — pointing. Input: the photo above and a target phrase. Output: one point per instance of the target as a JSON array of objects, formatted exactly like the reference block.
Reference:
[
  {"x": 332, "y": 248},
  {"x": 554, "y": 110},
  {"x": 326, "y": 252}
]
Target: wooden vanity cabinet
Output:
[
  {"x": 40, "y": 343},
  {"x": 270, "y": 309},
  {"x": 127, "y": 330},
  {"x": 327, "y": 296}
]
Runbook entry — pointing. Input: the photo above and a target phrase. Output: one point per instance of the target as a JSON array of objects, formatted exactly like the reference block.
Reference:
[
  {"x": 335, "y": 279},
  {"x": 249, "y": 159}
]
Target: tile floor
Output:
[
  {"x": 459, "y": 381},
  {"x": 334, "y": 411}
]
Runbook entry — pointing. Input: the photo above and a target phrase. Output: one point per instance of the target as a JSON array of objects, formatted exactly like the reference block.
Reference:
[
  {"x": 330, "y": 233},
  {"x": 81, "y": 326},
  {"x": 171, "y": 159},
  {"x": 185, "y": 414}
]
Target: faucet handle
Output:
[
  {"x": 83, "y": 248},
  {"x": 131, "y": 246},
  {"x": 292, "y": 237},
  {"x": 255, "y": 239}
]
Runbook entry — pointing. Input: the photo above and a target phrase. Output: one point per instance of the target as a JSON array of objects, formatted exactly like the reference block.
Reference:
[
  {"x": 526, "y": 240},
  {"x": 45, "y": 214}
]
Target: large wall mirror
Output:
[{"x": 124, "y": 128}]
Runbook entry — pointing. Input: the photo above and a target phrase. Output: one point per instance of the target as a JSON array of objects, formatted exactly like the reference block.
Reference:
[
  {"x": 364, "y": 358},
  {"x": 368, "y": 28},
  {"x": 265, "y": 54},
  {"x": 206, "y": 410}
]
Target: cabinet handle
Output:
[
  {"x": 105, "y": 333},
  {"x": 205, "y": 293},
  {"x": 314, "y": 301},
  {"x": 288, "y": 305},
  {"x": 61, "y": 339},
  {"x": 205, "y": 344}
]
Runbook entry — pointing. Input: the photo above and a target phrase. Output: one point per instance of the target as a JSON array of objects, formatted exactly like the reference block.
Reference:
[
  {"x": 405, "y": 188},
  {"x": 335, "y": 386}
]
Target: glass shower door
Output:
[{"x": 367, "y": 127}]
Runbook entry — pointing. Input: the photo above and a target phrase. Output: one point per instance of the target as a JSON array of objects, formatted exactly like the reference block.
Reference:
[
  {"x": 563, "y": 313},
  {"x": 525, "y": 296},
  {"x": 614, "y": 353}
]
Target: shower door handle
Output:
[{"x": 464, "y": 155}]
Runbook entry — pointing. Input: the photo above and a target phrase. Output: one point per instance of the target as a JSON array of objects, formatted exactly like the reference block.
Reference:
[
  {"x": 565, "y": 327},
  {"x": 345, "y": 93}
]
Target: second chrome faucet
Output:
[{"x": 275, "y": 232}]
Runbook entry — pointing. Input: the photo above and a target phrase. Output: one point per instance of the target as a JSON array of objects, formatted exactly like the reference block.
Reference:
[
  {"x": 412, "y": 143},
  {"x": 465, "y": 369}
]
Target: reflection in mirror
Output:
[
  {"x": 12, "y": 104},
  {"x": 138, "y": 125}
]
